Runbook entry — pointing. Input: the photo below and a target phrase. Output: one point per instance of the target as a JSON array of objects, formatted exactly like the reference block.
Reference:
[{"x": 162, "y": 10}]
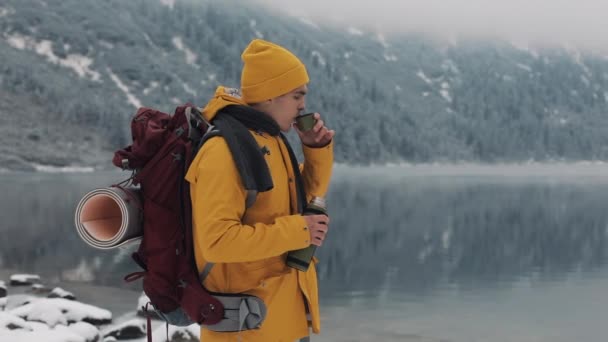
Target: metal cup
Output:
[{"x": 306, "y": 122}]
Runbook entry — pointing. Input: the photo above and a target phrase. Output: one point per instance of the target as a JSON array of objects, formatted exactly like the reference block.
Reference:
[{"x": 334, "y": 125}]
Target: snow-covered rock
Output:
[
  {"x": 73, "y": 311},
  {"x": 40, "y": 289},
  {"x": 190, "y": 333},
  {"x": 60, "y": 333},
  {"x": 86, "y": 330},
  {"x": 58, "y": 292},
  {"x": 24, "y": 279},
  {"x": 132, "y": 329},
  {"x": 47, "y": 313},
  {"x": 12, "y": 322}
]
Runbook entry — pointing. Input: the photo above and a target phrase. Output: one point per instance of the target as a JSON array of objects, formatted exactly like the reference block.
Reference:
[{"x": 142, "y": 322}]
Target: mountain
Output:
[{"x": 74, "y": 71}]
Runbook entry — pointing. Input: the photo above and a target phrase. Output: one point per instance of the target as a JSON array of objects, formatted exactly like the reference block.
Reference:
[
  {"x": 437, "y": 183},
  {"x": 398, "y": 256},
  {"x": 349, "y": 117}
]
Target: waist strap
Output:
[{"x": 241, "y": 312}]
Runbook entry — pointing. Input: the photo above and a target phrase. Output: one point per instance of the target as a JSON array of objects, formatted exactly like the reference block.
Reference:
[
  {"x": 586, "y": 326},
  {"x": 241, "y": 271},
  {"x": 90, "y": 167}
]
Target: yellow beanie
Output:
[{"x": 269, "y": 71}]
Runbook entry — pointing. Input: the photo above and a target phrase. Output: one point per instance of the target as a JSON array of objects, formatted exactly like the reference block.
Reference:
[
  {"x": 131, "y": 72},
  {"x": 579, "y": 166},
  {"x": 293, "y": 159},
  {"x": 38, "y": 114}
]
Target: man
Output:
[{"x": 246, "y": 240}]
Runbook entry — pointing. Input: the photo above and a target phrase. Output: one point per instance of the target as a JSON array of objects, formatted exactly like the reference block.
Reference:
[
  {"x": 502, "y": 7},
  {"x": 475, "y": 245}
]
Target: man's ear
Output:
[{"x": 267, "y": 103}]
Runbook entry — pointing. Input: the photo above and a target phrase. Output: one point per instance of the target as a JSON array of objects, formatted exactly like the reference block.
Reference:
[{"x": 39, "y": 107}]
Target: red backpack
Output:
[{"x": 163, "y": 147}]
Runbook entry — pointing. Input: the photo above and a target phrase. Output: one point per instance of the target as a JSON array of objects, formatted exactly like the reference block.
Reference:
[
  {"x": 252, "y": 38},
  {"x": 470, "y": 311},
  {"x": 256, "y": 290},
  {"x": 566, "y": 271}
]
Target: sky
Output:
[{"x": 581, "y": 23}]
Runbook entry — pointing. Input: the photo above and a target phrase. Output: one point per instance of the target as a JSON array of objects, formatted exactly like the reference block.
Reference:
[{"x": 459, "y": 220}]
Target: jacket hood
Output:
[{"x": 223, "y": 97}]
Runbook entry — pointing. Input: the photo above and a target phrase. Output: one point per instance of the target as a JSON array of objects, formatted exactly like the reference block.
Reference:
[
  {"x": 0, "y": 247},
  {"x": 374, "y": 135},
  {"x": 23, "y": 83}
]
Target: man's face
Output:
[{"x": 285, "y": 108}]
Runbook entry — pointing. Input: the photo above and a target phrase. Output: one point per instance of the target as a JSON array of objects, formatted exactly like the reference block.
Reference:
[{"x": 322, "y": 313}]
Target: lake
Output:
[{"x": 415, "y": 253}]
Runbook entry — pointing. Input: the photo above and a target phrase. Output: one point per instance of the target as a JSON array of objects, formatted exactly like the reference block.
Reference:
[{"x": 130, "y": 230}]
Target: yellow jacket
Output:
[{"x": 249, "y": 246}]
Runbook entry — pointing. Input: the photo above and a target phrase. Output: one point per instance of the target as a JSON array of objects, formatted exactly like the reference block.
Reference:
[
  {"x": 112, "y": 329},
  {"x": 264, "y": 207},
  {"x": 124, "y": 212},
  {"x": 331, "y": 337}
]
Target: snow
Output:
[
  {"x": 149, "y": 40},
  {"x": 446, "y": 237},
  {"x": 72, "y": 311},
  {"x": 449, "y": 65},
  {"x": 38, "y": 288},
  {"x": 47, "y": 313},
  {"x": 320, "y": 58},
  {"x": 142, "y": 301},
  {"x": 421, "y": 74},
  {"x": 190, "y": 56},
  {"x": 58, "y": 292},
  {"x": 168, "y": 3},
  {"x": 16, "y": 41},
  {"x": 24, "y": 278},
  {"x": 131, "y": 327},
  {"x": 579, "y": 60},
  {"x": 397, "y": 87},
  {"x": 354, "y": 31},
  {"x": 524, "y": 45},
  {"x": 6, "y": 11},
  {"x": 308, "y": 22},
  {"x": 390, "y": 57},
  {"x": 78, "y": 63},
  {"x": 524, "y": 67},
  {"x": 153, "y": 85},
  {"x": 86, "y": 330},
  {"x": 189, "y": 90},
  {"x": 59, "y": 334},
  {"x": 14, "y": 328},
  {"x": 130, "y": 97},
  {"x": 446, "y": 95},
  {"x": 8, "y": 321},
  {"x": 49, "y": 320},
  {"x": 380, "y": 37},
  {"x": 347, "y": 55},
  {"x": 106, "y": 44},
  {"x": 62, "y": 169},
  {"x": 192, "y": 331},
  {"x": 257, "y": 33},
  {"x": 585, "y": 80}
]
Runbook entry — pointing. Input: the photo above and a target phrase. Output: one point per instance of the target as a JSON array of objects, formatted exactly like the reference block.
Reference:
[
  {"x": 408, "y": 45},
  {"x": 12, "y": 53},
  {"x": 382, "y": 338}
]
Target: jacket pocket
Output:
[{"x": 245, "y": 276}]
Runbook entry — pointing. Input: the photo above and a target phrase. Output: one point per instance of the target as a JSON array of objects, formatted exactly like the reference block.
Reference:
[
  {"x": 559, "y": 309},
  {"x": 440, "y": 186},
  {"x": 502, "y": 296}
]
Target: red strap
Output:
[
  {"x": 149, "y": 328},
  {"x": 149, "y": 323},
  {"x": 133, "y": 276}
]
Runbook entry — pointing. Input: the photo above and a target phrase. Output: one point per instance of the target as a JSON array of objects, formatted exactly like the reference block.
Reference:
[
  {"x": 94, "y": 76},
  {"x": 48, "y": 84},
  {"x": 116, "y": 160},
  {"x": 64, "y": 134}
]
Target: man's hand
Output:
[
  {"x": 317, "y": 225},
  {"x": 318, "y": 136}
]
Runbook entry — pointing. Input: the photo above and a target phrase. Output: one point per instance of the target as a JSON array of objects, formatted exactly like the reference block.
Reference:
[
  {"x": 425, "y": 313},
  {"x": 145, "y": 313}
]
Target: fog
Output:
[{"x": 570, "y": 23}]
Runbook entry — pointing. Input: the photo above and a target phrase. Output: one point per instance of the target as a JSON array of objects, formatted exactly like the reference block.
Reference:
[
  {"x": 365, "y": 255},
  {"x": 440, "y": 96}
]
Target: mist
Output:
[{"x": 564, "y": 22}]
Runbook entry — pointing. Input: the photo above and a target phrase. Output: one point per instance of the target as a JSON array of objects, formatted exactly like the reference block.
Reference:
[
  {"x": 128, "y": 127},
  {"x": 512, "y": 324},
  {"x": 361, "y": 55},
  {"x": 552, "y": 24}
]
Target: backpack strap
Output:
[
  {"x": 203, "y": 275},
  {"x": 194, "y": 119}
]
